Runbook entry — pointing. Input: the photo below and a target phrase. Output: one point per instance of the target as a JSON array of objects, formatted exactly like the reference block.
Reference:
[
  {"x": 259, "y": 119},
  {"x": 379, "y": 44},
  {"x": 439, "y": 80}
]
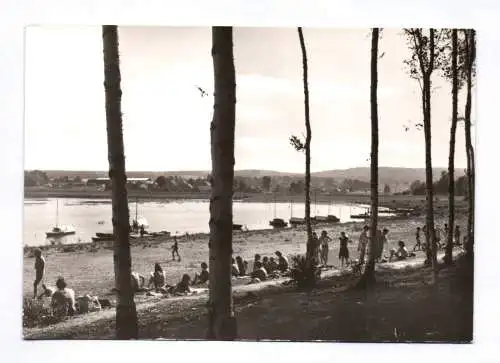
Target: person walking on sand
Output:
[
  {"x": 39, "y": 270},
  {"x": 175, "y": 249},
  {"x": 363, "y": 242},
  {"x": 324, "y": 247},
  {"x": 343, "y": 251}
]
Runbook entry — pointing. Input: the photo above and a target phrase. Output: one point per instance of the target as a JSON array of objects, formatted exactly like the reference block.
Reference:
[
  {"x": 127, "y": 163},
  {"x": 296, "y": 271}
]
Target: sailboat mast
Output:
[
  {"x": 275, "y": 206},
  {"x": 136, "y": 201},
  {"x": 57, "y": 212}
]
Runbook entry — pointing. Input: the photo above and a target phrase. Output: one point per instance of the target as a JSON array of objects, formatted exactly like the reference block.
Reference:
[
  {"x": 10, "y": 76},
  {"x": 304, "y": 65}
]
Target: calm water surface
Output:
[{"x": 176, "y": 216}]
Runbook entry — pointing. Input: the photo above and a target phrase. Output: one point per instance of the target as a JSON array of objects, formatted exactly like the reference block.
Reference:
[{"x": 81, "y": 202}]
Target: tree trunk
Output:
[
  {"x": 311, "y": 252},
  {"x": 451, "y": 160},
  {"x": 368, "y": 277},
  {"x": 222, "y": 323},
  {"x": 471, "y": 54},
  {"x": 430, "y": 234},
  {"x": 126, "y": 315}
]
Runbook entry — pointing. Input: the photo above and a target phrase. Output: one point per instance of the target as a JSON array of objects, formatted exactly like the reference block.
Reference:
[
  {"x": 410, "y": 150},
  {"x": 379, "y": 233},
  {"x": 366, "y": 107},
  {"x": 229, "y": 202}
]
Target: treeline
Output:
[{"x": 440, "y": 187}]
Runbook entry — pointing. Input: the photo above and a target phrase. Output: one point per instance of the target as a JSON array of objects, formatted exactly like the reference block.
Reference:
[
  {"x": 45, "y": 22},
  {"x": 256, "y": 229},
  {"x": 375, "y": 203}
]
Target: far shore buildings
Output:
[{"x": 143, "y": 183}]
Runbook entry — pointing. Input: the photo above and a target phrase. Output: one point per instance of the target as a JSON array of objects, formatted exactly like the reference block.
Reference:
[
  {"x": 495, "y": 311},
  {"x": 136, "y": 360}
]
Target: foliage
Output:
[
  {"x": 440, "y": 187},
  {"x": 297, "y": 143},
  {"x": 266, "y": 183},
  {"x": 35, "y": 178},
  {"x": 444, "y": 61},
  {"x": 303, "y": 273},
  {"x": 35, "y": 313}
]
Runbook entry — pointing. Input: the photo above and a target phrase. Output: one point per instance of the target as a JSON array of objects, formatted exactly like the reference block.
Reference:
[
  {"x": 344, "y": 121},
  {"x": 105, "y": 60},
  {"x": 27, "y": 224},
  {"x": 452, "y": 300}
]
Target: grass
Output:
[{"x": 404, "y": 306}]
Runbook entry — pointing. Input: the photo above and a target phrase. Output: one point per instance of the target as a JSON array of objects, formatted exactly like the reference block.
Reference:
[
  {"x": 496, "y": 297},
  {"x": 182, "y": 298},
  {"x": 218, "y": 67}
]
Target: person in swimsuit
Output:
[
  {"x": 157, "y": 278},
  {"x": 343, "y": 251},
  {"x": 39, "y": 270},
  {"x": 324, "y": 247},
  {"x": 242, "y": 266},
  {"x": 63, "y": 300},
  {"x": 363, "y": 243},
  {"x": 175, "y": 249},
  {"x": 203, "y": 276},
  {"x": 418, "y": 243}
]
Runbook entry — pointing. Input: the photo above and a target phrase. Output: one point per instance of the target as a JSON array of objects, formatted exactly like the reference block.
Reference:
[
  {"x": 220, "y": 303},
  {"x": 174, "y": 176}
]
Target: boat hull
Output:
[{"x": 59, "y": 234}]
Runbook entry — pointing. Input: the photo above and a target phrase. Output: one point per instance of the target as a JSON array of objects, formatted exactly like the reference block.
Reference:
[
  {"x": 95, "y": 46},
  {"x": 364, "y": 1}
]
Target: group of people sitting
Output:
[
  {"x": 158, "y": 282},
  {"x": 269, "y": 267},
  {"x": 63, "y": 302}
]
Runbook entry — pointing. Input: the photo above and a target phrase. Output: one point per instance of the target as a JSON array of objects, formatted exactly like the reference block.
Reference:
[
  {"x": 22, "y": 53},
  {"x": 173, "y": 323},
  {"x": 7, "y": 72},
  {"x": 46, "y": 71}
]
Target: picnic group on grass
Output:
[{"x": 64, "y": 303}]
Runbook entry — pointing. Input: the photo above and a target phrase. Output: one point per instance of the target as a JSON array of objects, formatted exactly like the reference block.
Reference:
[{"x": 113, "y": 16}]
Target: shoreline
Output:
[{"x": 385, "y": 200}]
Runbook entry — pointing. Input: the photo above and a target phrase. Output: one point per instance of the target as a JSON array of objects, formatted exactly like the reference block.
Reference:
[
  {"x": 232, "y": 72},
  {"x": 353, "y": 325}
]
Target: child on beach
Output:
[
  {"x": 255, "y": 260},
  {"x": 457, "y": 235},
  {"x": 39, "y": 270},
  {"x": 137, "y": 281},
  {"x": 242, "y": 265},
  {"x": 363, "y": 242},
  {"x": 157, "y": 279},
  {"x": 273, "y": 265},
  {"x": 418, "y": 243},
  {"x": 259, "y": 272},
  {"x": 400, "y": 254},
  {"x": 182, "y": 287},
  {"x": 282, "y": 262},
  {"x": 235, "y": 271},
  {"x": 343, "y": 251},
  {"x": 381, "y": 241},
  {"x": 203, "y": 276},
  {"x": 175, "y": 249},
  {"x": 324, "y": 239}
]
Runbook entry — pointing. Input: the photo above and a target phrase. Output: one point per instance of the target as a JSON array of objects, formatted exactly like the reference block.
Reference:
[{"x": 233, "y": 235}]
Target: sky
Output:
[{"x": 166, "y": 121}]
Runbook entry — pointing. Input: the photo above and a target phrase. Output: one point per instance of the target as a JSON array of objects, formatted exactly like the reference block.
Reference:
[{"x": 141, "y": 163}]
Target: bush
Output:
[
  {"x": 33, "y": 312},
  {"x": 304, "y": 274}
]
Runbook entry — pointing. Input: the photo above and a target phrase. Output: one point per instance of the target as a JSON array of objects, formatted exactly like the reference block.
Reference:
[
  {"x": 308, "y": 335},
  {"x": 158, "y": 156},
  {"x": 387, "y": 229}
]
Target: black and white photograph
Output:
[{"x": 249, "y": 183}]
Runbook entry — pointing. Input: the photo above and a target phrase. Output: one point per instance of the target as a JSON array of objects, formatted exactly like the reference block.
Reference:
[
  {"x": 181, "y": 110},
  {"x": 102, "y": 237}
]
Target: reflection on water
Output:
[{"x": 176, "y": 216}]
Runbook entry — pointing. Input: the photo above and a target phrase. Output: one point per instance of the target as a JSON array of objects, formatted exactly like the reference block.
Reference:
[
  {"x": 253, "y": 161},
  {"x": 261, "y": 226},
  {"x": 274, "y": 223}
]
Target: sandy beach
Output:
[{"x": 88, "y": 268}]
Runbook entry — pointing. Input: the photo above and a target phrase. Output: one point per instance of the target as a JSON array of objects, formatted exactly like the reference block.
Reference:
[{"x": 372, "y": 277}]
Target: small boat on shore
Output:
[
  {"x": 237, "y": 227},
  {"x": 104, "y": 235},
  {"x": 296, "y": 221},
  {"x": 278, "y": 223},
  {"x": 102, "y": 239},
  {"x": 325, "y": 219}
]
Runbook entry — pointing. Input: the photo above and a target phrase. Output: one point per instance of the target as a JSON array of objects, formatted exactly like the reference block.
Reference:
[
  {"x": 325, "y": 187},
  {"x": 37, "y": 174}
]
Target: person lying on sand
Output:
[
  {"x": 235, "y": 271},
  {"x": 203, "y": 276},
  {"x": 259, "y": 272},
  {"x": 86, "y": 304},
  {"x": 283, "y": 264},
  {"x": 242, "y": 265},
  {"x": 400, "y": 254},
  {"x": 63, "y": 300},
  {"x": 182, "y": 287},
  {"x": 157, "y": 279},
  {"x": 39, "y": 270},
  {"x": 47, "y": 292}
]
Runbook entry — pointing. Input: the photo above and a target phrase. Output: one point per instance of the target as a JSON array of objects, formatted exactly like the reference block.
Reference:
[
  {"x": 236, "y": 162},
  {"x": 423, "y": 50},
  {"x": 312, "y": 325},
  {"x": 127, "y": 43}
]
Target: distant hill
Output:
[{"x": 387, "y": 175}]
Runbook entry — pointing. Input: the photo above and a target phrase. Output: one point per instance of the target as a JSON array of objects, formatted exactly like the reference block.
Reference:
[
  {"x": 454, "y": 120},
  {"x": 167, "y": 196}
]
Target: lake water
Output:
[{"x": 175, "y": 216}]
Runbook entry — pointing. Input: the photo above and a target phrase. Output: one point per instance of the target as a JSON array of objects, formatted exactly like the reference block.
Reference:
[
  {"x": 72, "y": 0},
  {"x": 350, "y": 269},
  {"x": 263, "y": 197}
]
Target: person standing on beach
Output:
[
  {"x": 363, "y": 242},
  {"x": 418, "y": 243},
  {"x": 457, "y": 235},
  {"x": 344, "y": 251},
  {"x": 39, "y": 270},
  {"x": 324, "y": 239},
  {"x": 175, "y": 249}
]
